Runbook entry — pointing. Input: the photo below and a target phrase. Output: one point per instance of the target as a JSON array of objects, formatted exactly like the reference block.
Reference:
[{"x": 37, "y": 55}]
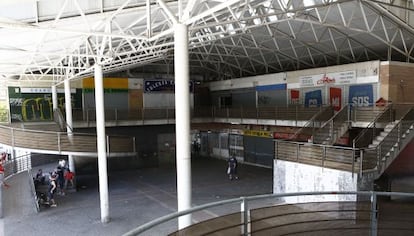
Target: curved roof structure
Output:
[{"x": 57, "y": 39}]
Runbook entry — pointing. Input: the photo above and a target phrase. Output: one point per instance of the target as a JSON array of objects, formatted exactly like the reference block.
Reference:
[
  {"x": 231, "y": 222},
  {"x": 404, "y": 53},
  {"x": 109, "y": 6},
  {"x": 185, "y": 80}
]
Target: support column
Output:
[
  {"x": 68, "y": 107},
  {"x": 69, "y": 120},
  {"x": 54, "y": 97},
  {"x": 101, "y": 144},
  {"x": 182, "y": 122}
]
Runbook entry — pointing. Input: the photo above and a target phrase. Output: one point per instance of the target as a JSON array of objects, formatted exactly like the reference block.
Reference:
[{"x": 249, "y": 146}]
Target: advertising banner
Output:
[
  {"x": 361, "y": 95},
  {"x": 335, "y": 98},
  {"x": 313, "y": 98},
  {"x": 337, "y": 78},
  {"x": 35, "y": 104}
]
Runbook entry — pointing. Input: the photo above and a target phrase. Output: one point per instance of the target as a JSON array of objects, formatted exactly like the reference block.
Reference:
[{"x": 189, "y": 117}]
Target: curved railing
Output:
[
  {"x": 338, "y": 217},
  {"x": 62, "y": 142}
]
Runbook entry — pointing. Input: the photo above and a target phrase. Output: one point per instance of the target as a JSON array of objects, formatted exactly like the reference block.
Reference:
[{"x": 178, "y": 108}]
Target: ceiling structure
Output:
[{"x": 54, "y": 40}]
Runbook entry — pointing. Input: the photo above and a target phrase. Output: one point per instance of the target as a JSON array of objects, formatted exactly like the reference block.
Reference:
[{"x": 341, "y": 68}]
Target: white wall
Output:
[
  {"x": 289, "y": 177},
  {"x": 248, "y": 82}
]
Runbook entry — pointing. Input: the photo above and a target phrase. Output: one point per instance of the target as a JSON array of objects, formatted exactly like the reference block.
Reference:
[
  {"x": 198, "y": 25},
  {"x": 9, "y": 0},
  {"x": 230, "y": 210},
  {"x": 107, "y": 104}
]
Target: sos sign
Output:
[{"x": 361, "y": 95}]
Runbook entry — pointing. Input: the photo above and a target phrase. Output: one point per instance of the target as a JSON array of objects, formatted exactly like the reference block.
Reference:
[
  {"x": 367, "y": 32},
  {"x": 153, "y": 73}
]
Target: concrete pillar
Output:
[
  {"x": 182, "y": 122},
  {"x": 54, "y": 98},
  {"x": 101, "y": 144}
]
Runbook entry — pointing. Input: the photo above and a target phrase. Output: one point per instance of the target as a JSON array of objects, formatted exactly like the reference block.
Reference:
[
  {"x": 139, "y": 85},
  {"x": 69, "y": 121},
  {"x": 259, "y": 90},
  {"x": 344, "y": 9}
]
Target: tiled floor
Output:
[{"x": 136, "y": 197}]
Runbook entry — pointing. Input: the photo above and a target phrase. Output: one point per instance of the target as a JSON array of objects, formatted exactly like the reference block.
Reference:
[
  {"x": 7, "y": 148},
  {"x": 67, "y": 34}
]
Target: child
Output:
[
  {"x": 2, "y": 162},
  {"x": 69, "y": 178}
]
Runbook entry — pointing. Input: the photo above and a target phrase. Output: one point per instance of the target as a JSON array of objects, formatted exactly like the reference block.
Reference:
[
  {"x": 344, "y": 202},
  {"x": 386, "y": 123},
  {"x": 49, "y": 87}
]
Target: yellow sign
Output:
[
  {"x": 109, "y": 83},
  {"x": 258, "y": 133}
]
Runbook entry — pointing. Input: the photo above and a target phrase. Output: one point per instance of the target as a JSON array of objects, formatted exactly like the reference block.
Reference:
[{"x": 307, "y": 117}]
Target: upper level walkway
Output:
[
  {"x": 36, "y": 139},
  {"x": 310, "y": 122}
]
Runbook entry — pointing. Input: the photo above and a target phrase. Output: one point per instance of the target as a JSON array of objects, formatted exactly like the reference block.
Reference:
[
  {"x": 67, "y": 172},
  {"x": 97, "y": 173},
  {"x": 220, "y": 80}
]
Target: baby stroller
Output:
[{"x": 42, "y": 198}]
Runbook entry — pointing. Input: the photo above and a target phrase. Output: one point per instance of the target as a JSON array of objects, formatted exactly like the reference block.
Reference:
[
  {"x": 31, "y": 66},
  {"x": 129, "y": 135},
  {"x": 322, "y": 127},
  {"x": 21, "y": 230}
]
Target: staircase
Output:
[
  {"x": 333, "y": 129},
  {"x": 378, "y": 139},
  {"x": 373, "y": 150}
]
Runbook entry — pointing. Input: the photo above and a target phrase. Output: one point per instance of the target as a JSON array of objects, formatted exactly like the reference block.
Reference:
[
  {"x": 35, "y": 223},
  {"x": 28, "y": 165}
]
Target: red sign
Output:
[
  {"x": 294, "y": 96},
  {"x": 335, "y": 98}
]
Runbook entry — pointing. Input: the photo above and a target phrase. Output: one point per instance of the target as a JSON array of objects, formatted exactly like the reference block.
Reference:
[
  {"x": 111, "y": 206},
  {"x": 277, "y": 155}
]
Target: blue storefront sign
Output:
[
  {"x": 162, "y": 85},
  {"x": 313, "y": 98},
  {"x": 361, "y": 95}
]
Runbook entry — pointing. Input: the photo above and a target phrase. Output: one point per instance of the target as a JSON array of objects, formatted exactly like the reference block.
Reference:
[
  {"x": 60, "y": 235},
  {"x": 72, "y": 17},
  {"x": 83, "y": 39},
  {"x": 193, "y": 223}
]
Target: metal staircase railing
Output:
[
  {"x": 306, "y": 131},
  {"x": 333, "y": 129},
  {"x": 359, "y": 158},
  {"x": 60, "y": 120},
  {"x": 374, "y": 128},
  {"x": 392, "y": 144}
]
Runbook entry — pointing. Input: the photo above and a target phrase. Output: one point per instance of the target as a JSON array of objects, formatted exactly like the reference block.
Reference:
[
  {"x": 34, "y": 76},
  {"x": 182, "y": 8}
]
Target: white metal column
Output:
[
  {"x": 101, "y": 144},
  {"x": 182, "y": 122},
  {"x": 68, "y": 107},
  {"x": 69, "y": 120},
  {"x": 54, "y": 97}
]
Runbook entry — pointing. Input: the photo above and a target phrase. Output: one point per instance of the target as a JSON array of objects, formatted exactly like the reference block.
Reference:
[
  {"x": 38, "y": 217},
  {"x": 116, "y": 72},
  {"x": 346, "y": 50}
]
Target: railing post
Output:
[
  {"x": 228, "y": 114},
  {"x": 87, "y": 116},
  {"x": 134, "y": 148},
  {"x": 142, "y": 115},
  {"x": 331, "y": 132},
  {"x": 59, "y": 142},
  {"x": 361, "y": 156},
  {"x": 107, "y": 144},
  {"x": 116, "y": 114},
  {"x": 241, "y": 114},
  {"x": 379, "y": 158},
  {"x": 374, "y": 214},
  {"x": 245, "y": 217},
  {"x": 13, "y": 138},
  {"x": 296, "y": 115},
  {"x": 323, "y": 155},
  {"x": 276, "y": 149},
  {"x": 297, "y": 152}
]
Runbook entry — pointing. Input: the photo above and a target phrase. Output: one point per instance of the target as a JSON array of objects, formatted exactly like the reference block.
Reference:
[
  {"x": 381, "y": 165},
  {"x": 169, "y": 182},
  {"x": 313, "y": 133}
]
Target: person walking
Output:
[
  {"x": 232, "y": 168},
  {"x": 51, "y": 190}
]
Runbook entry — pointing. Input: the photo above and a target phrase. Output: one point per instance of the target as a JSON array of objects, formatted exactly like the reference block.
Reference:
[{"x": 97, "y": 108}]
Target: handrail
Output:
[
  {"x": 394, "y": 140},
  {"x": 372, "y": 124},
  {"x": 323, "y": 155},
  {"x": 244, "y": 200},
  {"x": 330, "y": 124},
  {"x": 271, "y": 112},
  {"x": 60, "y": 120},
  {"x": 62, "y": 142},
  {"x": 308, "y": 123}
]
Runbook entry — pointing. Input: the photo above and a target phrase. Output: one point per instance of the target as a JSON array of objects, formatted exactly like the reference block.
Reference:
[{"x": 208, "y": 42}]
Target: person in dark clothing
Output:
[
  {"x": 232, "y": 168},
  {"x": 60, "y": 171},
  {"x": 39, "y": 178}
]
